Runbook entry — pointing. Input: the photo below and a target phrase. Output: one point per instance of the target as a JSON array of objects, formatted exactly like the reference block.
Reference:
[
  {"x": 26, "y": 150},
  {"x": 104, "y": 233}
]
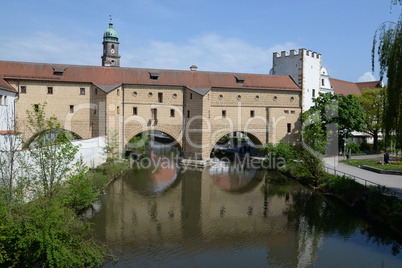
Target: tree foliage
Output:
[
  {"x": 373, "y": 102},
  {"x": 330, "y": 118},
  {"x": 53, "y": 157},
  {"x": 387, "y": 44}
]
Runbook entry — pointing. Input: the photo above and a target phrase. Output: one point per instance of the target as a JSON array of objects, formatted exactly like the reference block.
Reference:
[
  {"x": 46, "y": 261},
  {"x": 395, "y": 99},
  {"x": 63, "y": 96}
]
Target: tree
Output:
[
  {"x": 330, "y": 117},
  {"x": 11, "y": 161},
  {"x": 53, "y": 157},
  {"x": 111, "y": 148},
  {"x": 373, "y": 102},
  {"x": 387, "y": 44}
]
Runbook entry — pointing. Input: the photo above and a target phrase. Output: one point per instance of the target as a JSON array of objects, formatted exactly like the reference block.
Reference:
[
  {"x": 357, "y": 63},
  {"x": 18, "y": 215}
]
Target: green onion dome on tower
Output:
[{"x": 110, "y": 34}]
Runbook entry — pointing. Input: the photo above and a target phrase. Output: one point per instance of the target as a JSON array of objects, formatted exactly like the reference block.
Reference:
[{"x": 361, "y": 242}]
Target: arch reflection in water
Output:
[
  {"x": 193, "y": 222},
  {"x": 230, "y": 177},
  {"x": 154, "y": 175}
]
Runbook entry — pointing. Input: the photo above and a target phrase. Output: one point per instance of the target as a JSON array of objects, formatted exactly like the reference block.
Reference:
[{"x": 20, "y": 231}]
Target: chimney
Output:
[{"x": 193, "y": 68}]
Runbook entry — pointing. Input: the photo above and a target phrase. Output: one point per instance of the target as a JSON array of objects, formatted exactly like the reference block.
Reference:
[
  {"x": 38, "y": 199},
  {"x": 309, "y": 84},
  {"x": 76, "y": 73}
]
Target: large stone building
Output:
[{"x": 196, "y": 108}]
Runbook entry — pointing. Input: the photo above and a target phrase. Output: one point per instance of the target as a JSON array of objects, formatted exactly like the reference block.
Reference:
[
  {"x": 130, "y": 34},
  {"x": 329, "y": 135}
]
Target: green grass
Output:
[{"x": 371, "y": 163}]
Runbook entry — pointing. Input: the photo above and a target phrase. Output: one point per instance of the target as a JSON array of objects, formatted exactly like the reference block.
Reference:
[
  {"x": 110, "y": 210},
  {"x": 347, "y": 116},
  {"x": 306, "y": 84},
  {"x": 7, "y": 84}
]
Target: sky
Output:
[{"x": 216, "y": 35}]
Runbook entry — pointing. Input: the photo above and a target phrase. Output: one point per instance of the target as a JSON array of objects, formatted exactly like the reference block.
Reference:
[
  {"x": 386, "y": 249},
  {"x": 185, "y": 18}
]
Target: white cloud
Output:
[
  {"x": 210, "y": 52},
  {"x": 366, "y": 77},
  {"x": 49, "y": 47}
]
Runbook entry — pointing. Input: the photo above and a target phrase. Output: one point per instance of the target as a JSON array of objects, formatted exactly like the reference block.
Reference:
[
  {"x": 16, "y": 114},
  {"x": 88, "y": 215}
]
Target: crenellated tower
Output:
[
  {"x": 110, "y": 43},
  {"x": 306, "y": 70}
]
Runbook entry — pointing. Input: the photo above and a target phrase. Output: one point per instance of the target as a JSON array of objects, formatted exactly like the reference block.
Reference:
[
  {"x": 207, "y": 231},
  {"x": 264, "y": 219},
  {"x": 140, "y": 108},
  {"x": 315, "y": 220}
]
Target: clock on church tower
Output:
[{"x": 110, "y": 43}]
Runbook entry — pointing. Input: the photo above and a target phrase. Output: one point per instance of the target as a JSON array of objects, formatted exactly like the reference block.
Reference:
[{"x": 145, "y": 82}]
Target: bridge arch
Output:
[
  {"x": 257, "y": 138},
  {"x": 170, "y": 140},
  {"x": 51, "y": 135}
]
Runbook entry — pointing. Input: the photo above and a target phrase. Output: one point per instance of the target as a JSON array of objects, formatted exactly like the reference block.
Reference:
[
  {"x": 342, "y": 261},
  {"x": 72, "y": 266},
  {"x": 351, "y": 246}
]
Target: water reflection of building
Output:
[{"x": 195, "y": 215}]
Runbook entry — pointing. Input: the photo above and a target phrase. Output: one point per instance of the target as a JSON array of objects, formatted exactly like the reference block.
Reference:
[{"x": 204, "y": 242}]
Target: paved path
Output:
[{"x": 393, "y": 182}]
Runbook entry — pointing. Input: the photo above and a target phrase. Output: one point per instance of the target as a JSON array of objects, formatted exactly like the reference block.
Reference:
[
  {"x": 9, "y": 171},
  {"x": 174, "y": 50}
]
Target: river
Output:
[{"x": 225, "y": 215}]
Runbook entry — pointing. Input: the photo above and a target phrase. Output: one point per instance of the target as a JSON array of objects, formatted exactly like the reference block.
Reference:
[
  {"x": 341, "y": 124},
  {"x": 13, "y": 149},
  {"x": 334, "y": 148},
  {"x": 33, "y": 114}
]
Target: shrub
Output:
[
  {"x": 45, "y": 233},
  {"x": 354, "y": 147},
  {"x": 343, "y": 186},
  {"x": 280, "y": 150}
]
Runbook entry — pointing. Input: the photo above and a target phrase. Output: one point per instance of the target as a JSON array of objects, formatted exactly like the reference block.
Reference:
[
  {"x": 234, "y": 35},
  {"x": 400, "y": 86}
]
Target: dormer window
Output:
[
  {"x": 239, "y": 79},
  {"x": 58, "y": 70},
  {"x": 154, "y": 75}
]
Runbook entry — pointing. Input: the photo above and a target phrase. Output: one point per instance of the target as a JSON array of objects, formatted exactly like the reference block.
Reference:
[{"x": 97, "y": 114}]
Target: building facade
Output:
[{"x": 195, "y": 108}]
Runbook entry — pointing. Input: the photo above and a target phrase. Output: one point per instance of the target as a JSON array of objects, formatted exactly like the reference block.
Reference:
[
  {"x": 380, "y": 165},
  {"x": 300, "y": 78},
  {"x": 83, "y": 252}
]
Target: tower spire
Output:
[{"x": 110, "y": 43}]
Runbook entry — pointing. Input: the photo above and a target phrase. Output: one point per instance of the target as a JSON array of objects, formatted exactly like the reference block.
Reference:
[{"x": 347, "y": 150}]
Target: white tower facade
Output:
[{"x": 305, "y": 69}]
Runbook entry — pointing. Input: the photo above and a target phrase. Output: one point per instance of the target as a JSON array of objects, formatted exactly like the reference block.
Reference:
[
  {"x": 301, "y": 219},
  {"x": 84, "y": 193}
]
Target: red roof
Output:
[
  {"x": 109, "y": 77},
  {"x": 344, "y": 88},
  {"x": 368, "y": 85}
]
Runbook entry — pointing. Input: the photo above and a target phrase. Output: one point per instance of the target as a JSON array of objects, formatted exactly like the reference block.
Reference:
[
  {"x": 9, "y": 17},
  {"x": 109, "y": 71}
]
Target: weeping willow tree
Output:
[{"x": 387, "y": 45}]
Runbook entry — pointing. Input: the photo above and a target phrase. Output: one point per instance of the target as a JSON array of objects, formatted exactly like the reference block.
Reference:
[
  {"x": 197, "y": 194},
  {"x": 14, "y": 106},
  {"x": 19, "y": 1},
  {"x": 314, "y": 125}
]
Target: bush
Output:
[
  {"x": 83, "y": 190},
  {"x": 45, "y": 233},
  {"x": 354, "y": 147},
  {"x": 280, "y": 150},
  {"x": 343, "y": 186}
]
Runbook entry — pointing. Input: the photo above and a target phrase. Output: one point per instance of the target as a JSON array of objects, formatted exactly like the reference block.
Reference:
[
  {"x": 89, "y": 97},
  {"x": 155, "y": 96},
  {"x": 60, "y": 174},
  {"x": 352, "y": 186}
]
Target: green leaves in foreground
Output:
[{"x": 44, "y": 233}]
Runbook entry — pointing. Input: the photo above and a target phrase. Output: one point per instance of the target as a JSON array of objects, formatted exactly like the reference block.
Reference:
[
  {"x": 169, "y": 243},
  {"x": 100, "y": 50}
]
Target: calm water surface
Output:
[{"x": 234, "y": 217}]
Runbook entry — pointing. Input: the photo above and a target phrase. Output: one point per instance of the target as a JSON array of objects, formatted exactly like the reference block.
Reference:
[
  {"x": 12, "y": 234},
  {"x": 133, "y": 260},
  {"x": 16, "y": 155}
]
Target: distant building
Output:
[
  {"x": 343, "y": 88},
  {"x": 7, "y": 115}
]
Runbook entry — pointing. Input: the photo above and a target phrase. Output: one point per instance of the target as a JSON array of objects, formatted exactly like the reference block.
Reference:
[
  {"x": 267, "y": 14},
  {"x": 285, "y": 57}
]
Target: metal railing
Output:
[{"x": 367, "y": 183}]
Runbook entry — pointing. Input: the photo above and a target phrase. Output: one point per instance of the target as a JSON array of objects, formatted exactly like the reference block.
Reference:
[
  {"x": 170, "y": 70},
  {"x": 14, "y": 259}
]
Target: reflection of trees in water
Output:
[{"x": 325, "y": 215}]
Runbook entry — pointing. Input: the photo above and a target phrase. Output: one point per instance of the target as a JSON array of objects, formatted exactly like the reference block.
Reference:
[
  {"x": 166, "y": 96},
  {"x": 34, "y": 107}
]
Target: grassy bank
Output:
[{"x": 372, "y": 163}]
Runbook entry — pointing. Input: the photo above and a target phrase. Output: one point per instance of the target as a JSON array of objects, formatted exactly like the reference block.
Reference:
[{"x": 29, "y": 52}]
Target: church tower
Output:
[{"x": 110, "y": 43}]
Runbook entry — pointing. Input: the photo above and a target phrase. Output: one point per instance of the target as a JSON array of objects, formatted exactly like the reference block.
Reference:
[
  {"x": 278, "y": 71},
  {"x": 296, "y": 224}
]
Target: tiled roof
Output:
[
  {"x": 344, "y": 88},
  {"x": 368, "y": 85},
  {"x": 109, "y": 78}
]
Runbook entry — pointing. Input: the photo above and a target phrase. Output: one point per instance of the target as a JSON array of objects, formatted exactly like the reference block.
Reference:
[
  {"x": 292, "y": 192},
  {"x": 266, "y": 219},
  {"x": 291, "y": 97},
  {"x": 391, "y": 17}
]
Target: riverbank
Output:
[
  {"x": 310, "y": 170},
  {"x": 371, "y": 200}
]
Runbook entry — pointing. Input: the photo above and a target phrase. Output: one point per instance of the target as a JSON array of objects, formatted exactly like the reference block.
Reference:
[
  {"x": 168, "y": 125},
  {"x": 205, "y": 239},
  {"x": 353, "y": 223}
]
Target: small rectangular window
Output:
[
  {"x": 36, "y": 107},
  {"x": 23, "y": 89},
  {"x": 71, "y": 108},
  {"x": 5, "y": 100},
  {"x": 160, "y": 97},
  {"x": 172, "y": 113},
  {"x": 224, "y": 113},
  {"x": 82, "y": 91},
  {"x": 252, "y": 113},
  {"x": 191, "y": 96},
  {"x": 49, "y": 90},
  {"x": 118, "y": 109},
  {"x": 118, "y": 92},
  {"x": 286, "y": 111},
  {"x": 289, "y": 127},
  {"x": 292, "y": 112},
  {"x": 1, "y": 99},
  {"x": 188, "y": 113},
  {"x": 154, "y": 113},
  {"x": 313, "y": 93},
  {"x": 135, "y": 112},
  {"x": 322, "y": 82},
  {"x": 96, "y": 91}
]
